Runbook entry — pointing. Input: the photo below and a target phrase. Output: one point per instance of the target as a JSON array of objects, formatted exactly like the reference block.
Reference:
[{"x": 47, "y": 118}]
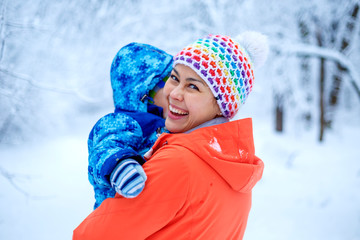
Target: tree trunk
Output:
[
  {"x": 305, "y": 75},
  {"x": 322, "y": 106},
  {"x": 279, "y": 113},
  {"x": 340, "y": 71},
  {"x": 322, "y": 99}
]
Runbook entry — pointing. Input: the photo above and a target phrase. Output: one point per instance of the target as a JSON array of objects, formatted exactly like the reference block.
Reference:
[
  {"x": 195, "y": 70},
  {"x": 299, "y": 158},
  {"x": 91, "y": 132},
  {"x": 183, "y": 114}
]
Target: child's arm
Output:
[
  {"x": 114, "y": 137},
  {"x": 164, "y": 197}
]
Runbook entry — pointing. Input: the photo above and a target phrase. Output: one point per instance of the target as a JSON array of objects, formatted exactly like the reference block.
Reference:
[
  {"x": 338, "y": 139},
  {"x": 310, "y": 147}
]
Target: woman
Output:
[{"x": 200, "y": 177}]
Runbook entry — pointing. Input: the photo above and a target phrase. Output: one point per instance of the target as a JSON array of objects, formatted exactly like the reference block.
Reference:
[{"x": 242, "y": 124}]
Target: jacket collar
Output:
[
  {"x": 212, "y": 122},
  {"x": 228, "y": 148}
]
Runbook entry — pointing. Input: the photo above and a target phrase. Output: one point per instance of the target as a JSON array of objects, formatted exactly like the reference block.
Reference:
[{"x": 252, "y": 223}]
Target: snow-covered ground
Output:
[{"x": 308, "y": 191}]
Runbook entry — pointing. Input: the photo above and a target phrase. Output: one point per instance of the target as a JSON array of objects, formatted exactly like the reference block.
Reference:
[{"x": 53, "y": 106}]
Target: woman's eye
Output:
[
  {"x": 192, "y": 86},
  {"x": 173, "y": 77}
]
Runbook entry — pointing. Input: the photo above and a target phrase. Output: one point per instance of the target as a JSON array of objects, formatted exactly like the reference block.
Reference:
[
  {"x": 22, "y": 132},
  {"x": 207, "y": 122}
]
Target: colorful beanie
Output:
[{"x": 225, "y": 66}]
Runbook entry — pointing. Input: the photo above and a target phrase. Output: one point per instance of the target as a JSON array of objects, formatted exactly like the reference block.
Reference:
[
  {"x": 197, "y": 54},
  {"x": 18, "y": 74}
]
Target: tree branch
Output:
[
  {"x": 75, "y": 92},
  {"x": 26, "y": 26},
  {"x": 10, "y": 178},
  {"x": 311, "y": 50}
]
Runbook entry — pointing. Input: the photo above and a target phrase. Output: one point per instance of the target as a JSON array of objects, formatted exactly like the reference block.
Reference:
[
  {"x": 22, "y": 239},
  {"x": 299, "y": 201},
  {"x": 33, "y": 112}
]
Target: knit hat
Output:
[{"x": 226, "y": 66}]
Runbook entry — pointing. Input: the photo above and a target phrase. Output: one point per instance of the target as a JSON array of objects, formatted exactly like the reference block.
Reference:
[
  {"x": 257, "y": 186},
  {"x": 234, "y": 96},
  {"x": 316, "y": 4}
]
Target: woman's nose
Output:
[{"x": 177, "y": 93}]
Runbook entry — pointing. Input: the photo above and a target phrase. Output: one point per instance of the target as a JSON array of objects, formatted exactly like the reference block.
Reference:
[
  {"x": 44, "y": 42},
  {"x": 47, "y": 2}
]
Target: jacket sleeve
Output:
[
  {"x": 114, "y": 137},
  {"x": 163, "y": 197}
]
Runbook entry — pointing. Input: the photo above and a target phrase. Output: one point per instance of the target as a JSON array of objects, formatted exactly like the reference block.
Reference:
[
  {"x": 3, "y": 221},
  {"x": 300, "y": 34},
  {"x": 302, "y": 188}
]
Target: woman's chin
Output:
[
  {"x": 171, "y": 127},
  {"x": 175, "y": 126}
]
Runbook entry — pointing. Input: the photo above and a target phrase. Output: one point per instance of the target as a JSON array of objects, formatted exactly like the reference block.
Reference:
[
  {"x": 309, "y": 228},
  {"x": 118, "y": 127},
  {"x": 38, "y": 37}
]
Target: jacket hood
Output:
[
  {"x": 136, "y": 69},
  {"x": 228, "y": 148}
]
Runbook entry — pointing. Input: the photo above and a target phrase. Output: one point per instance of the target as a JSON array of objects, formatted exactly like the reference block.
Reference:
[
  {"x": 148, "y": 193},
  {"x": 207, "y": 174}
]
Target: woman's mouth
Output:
[{"x": 176, "y": 113}]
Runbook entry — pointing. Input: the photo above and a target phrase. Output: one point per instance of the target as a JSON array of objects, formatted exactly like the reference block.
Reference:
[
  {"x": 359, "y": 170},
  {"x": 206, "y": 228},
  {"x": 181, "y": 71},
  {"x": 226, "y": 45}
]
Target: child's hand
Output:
[{"x": 128, "y": 178}]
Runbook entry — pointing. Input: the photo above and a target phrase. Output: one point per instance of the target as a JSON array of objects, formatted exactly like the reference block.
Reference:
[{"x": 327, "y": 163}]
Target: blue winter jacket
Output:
[{"x": 136, "y": 123}]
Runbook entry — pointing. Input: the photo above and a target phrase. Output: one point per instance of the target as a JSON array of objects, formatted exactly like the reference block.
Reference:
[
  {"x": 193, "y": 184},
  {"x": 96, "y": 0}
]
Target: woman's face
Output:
[{"x": 191, "y": 101}]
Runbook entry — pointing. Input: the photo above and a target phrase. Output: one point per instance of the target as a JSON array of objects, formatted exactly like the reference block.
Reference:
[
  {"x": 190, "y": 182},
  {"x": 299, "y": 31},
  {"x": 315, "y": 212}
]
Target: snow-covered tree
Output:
[
  {"x": 335, "y": 31},
  {"x": 55, "y": 56}
]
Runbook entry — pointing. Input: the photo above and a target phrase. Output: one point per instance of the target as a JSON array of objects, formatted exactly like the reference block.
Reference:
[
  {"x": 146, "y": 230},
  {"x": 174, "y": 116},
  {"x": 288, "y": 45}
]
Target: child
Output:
[{"x": 118, "y": 140}]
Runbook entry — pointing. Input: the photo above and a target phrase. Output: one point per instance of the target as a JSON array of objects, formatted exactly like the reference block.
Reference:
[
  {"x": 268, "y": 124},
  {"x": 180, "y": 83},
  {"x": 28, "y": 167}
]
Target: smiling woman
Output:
[
  {"x": 199, "y": 176},
  {"x": 191, "y": 101}
]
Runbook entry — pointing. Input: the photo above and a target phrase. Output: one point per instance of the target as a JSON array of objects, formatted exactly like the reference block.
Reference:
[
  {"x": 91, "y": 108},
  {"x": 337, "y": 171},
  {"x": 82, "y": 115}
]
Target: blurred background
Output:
[{"x": 55, "y": 59}]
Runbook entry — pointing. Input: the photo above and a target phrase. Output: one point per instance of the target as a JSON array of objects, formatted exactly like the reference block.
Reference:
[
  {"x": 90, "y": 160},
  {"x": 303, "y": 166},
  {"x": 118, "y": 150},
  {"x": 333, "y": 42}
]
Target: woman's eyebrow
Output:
[
  {"x": 195, "y": 80},
  {"x": 190, "y": 79},
  {"x": 177, "y": 73}
]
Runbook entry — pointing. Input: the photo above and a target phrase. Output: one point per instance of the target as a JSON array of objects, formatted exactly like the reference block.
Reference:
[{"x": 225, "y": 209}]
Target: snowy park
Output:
[
  {"x": 308, "y": 190},
  {"x": 305, "y": 105}
]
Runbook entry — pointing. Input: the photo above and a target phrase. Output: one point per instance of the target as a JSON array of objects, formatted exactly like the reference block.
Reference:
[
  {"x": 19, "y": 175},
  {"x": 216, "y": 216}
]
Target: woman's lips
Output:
[{"x": 176, "y": 113}]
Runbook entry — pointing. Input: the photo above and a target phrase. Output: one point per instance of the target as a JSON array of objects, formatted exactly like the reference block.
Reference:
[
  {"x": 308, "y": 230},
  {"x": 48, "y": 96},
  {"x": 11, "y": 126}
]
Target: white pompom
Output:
[{"x": 256, "y": 45}]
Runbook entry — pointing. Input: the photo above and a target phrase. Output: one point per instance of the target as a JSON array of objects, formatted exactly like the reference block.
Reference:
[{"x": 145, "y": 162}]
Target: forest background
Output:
[{"x": 55, "y": 60}]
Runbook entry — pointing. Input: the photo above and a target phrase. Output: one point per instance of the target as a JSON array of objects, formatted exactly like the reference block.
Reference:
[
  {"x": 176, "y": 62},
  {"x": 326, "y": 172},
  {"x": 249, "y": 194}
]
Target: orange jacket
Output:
[{"x": 199, "y": 187}]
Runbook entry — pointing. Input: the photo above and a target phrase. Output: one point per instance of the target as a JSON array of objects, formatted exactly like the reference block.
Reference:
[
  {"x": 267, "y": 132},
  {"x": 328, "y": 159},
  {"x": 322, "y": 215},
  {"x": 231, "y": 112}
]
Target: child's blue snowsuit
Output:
[{"x": 134, "y": 126}]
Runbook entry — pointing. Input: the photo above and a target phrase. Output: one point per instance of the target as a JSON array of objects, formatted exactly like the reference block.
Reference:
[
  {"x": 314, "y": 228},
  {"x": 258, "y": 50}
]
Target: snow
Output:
[
  {"x": 50, "y": 193},
  {"x": 215, "y": 145},
  {"x": 308, "y": 190}
]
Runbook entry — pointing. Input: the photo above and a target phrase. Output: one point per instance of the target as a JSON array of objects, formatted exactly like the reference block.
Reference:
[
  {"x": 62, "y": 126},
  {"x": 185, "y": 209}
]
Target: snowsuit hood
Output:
[{"x": 135, "y": 70}]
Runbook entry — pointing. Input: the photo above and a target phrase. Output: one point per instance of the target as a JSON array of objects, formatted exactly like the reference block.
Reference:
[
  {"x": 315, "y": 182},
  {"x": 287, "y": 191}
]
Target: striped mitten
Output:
[{"x": 128, "y": 178}]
